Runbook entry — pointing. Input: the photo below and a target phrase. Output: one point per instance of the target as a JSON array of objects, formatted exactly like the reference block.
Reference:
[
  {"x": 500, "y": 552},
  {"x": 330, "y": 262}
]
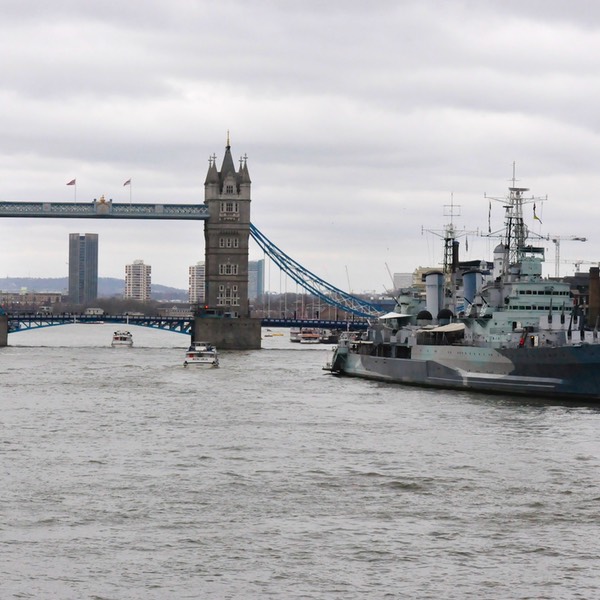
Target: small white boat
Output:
[
  {"x": 122, "y": 339},
  {"x": 270, "y": 333},
  {"x": 202, "y": 354},
  {"x": 308, "y": 335}
]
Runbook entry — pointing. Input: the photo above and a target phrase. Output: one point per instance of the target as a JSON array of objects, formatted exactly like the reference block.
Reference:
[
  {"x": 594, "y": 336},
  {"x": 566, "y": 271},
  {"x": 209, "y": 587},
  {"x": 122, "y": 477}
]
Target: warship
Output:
[{"x": 498, "y": 327}]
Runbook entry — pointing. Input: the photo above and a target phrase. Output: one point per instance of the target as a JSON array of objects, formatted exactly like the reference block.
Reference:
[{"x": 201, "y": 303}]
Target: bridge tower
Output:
[
  {"x": 227, "y": 323},
  {"x": 226, "y": 235}
]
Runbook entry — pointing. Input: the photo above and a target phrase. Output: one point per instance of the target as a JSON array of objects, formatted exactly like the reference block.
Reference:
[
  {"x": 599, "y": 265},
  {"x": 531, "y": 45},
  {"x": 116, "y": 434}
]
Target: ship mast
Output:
[
  {"x": 516, "y": 232},
  {"x": 450, "y": 244}
]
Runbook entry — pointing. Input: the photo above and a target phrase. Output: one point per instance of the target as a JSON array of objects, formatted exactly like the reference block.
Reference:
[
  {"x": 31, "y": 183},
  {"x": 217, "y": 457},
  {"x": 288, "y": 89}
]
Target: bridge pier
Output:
[
  {"x": 3, "y": 330},
  {"x": 228, "y": 334}
]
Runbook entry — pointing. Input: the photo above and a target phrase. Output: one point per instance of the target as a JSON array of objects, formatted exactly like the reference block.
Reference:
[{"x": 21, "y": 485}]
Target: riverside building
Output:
[
  {"x": 138, "y": 281},
  {"x": 197, "y": 281},
  {"x": 83, "y": 267}
]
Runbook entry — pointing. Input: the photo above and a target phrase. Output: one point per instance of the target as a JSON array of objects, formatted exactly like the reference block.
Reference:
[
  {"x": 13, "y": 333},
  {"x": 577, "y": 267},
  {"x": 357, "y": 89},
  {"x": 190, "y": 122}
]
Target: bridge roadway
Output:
[
  {"x": 104, "y": 209},
  {"x": 351, "y": 325},
  {"x": 25, "y": 321}
]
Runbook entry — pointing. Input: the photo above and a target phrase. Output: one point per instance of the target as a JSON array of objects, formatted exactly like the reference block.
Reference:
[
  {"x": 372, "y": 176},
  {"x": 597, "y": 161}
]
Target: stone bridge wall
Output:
[
  {"x": 3, "y": 330},
  {"x": 229, "y": 334}
]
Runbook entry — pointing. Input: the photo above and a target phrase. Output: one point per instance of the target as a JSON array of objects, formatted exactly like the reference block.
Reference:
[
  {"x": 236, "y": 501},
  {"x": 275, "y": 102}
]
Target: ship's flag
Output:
[
  {"x": 128, "y": 182},
  {"x": 490, "y": 218},
  {"x": 72, "y": 182},
  {"x": 535, "y": 215}
]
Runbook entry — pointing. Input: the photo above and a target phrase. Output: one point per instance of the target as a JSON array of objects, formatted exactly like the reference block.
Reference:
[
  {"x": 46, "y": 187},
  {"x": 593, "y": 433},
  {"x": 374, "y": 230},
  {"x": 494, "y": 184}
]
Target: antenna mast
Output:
[
  {"x": 450, "y": 259},
  {"x": 515, "y": 232}
]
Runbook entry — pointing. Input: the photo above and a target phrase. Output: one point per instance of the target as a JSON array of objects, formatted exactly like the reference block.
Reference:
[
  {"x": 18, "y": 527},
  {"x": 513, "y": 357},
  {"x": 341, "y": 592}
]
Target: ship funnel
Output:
[
  {"x": 434, "y": 291},
  {"x": 471, "y": 285}
]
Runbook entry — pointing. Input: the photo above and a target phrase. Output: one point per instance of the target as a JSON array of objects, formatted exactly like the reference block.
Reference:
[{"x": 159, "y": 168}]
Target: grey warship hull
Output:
[{"x": 566, "y": 372}]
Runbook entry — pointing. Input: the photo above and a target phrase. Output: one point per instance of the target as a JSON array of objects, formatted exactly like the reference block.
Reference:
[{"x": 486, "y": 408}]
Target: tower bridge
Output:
[{"x": 227, "y": 230}]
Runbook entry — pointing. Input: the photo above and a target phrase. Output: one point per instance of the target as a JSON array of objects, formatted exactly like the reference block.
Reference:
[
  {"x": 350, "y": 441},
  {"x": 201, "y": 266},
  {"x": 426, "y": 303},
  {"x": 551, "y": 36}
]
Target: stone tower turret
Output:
[{"x": 226, "y": 234}]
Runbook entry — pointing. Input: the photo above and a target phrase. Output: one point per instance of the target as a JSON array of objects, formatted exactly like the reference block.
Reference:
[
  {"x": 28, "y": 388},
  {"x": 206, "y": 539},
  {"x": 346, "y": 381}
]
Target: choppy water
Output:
[{"x": 126, "y": 476}]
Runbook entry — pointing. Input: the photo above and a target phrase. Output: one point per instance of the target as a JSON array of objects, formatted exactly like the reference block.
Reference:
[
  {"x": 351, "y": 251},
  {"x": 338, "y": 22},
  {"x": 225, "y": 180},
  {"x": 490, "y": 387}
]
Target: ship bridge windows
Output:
[
  {"x": 529, "y": 292},
  {"x": 542, "y": 307}
]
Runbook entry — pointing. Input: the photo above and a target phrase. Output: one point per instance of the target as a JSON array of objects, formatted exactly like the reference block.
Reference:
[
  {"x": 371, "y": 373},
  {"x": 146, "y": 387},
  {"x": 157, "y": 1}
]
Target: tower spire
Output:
[{"x": 228, "y": 144}]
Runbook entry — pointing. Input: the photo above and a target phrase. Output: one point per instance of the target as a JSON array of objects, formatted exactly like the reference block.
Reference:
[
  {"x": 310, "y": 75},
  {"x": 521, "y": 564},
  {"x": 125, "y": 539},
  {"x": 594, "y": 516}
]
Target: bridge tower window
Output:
[
  {"x": 228, "y": 269},
  {"x": 228, "y": 296},
  {"x": 229, "y": 242},
  {"x": 229, "y": 207}
]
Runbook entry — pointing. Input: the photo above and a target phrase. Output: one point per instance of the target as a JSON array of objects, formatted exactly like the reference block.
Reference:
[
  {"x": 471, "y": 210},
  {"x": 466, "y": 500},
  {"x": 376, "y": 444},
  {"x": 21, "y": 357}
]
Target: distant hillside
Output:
[{"x": 107, "y": 287}]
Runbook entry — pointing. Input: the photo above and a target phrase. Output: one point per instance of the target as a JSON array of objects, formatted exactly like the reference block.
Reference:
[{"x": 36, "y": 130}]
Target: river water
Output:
[{"x": 126, "y": 476}]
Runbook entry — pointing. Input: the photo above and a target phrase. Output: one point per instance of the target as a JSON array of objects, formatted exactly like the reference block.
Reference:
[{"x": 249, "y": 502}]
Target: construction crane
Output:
[
  {"x": 578, "y": 263},
  {"x": 556, "y": 239}
]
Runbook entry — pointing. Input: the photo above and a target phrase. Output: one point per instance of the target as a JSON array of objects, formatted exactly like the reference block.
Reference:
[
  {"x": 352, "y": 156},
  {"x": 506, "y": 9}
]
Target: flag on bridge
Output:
[
  {"x": 72, "y": 182},
  {"x": 128, "y": 182},
  {"x": 535, "y": 215}
]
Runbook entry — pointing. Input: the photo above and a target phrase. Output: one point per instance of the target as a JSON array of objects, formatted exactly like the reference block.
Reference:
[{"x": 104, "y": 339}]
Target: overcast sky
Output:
[{"x": 361, "y": 120}]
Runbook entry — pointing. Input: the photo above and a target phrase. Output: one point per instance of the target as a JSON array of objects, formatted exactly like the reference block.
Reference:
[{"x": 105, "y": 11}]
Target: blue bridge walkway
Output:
[{"x": 24, "y": 322}]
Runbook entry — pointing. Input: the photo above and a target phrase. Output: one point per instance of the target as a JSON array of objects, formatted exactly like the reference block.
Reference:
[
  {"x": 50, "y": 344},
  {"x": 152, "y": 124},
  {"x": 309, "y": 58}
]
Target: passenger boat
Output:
[
  {"x": 308, "y": 335},
  {"x": 501, "y": 327},
  {"x": 122, "y": 339},
  {"x": 201, "y": 354}
]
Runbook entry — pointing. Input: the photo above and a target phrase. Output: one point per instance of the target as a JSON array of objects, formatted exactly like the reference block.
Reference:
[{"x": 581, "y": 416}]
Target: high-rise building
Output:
[
  {"x": 197, "y": 280},
  {"x": 138, "y": 281},
  {"x": 256, "y": 279},
  {"x": 83, "y": 267}
]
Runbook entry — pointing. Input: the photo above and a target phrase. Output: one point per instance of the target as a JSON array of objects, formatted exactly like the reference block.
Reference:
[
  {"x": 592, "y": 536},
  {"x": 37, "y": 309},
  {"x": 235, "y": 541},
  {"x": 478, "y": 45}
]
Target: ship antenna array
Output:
[
  {"x": 450, "y": 234},
  {"x": 515, "y": 231}
]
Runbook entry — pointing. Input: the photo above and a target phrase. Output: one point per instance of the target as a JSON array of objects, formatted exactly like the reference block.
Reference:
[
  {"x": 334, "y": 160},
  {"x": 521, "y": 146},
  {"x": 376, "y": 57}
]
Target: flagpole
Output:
[
  {"x": 73, "y": 182},
  {"x": 128, "y": 182}
]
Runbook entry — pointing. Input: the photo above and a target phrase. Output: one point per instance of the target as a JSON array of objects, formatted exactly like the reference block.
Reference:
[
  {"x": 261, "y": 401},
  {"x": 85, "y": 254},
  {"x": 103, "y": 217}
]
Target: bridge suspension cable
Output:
[{"x": 314, "y": 284}]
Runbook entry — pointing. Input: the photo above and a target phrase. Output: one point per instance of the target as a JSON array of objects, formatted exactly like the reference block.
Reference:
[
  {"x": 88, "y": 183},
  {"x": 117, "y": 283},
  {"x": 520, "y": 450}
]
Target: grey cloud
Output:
[{"x": 358, "y": 121}]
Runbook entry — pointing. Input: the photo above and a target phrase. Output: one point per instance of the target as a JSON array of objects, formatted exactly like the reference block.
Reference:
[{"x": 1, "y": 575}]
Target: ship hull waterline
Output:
[{"x": 568, "y": 372}]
